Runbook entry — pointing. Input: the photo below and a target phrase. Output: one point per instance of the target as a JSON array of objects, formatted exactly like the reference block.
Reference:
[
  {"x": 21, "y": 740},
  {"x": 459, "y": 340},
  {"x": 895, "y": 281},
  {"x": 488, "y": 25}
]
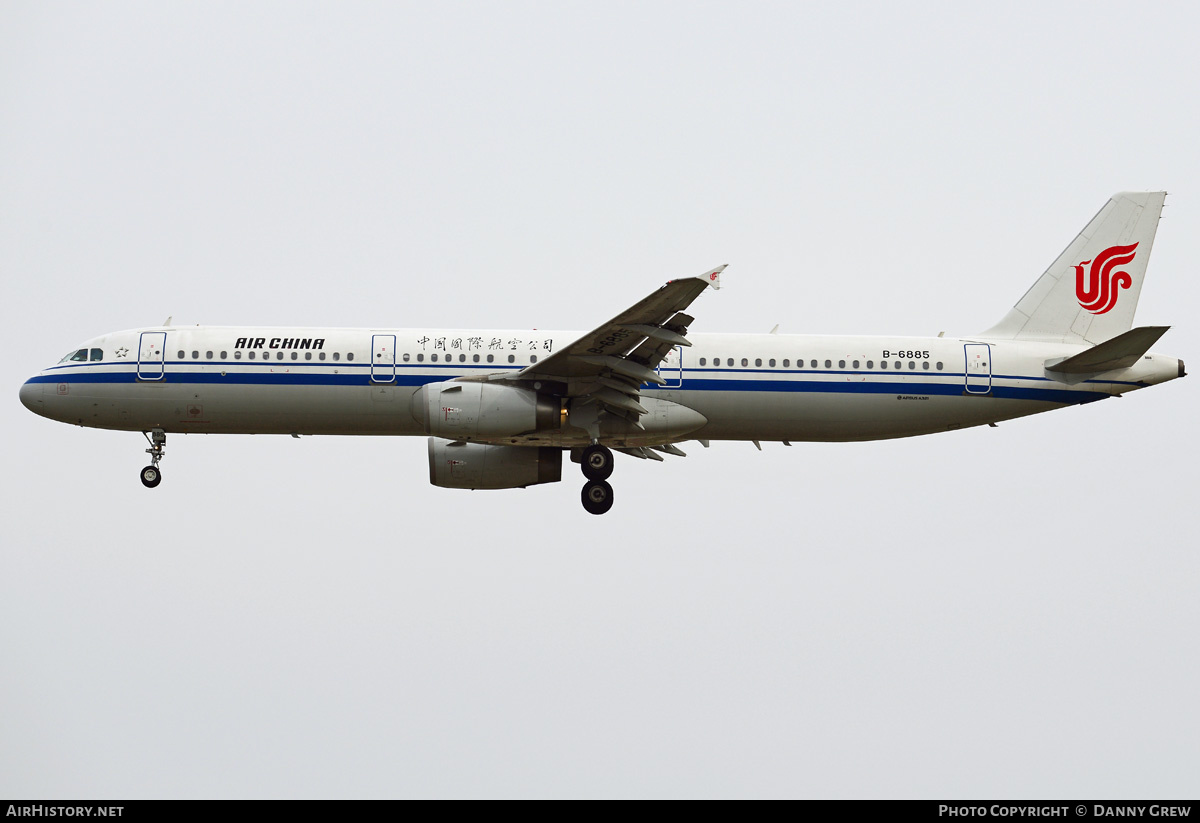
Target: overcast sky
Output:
[{"x": 999, "y": 612}]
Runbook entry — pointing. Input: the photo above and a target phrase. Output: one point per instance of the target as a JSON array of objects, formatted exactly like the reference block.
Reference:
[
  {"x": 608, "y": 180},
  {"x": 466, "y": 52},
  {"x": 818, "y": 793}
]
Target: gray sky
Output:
[{"x": 1004, "y": 612}]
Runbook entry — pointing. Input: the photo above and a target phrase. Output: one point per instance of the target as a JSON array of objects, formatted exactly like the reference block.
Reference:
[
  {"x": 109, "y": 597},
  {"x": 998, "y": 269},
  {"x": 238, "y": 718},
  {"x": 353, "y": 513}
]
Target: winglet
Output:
[{"x": 713, "y": 276}]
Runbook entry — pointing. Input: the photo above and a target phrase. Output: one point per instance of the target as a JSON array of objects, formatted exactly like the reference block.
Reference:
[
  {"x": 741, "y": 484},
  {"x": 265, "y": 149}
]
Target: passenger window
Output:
[
  {"x": 182, "y": 354},
  {"x": 841, "y": 364},
  {"x": 295, "y": 355},
  {"x": 897, "y": 365},
  {"x": 533, "y": 358},
  {"x": 404, "y": 357},
  {"x": 828, "y": 364},
  {"x": 278, "y": 355},
  {"x": 97, "y": 354},
  {"x": 855, "y": 364},
  {"x": 321, "y": 356},
  {"x": 745, "y": 362},
  {"x": 462, "y": 358},
  {"x": 337, "y": 355},
  {"x": 308, "y": 356},
  {"x": 420, "y": 358},
  {"x": 786, "y": 363},
  {"x": 491, "y": 358},
  {"x": 208, "y": 355},
  {"x": 703, "y": 362},
  {"x": 729, "y": 361},
  {"x": 883, "y": 364},
  {"x": 925, "y": 365},
  {"x": 433, "y": 358},
  {"x": 512, "y": 358},
  {"x": 349, "y": 355},
  {"x": 757, "y": 362},
  {"x": 474, "y": 358},
  {"x": 771, "y": 362},
  {"x": 237, "y": 355},
  {"x": 250, "y": 355},
  {"x": 224, "y": 355},
  {"x": 912, "y": 364},
  {"x": 195, "y": 355},
  {"x": 939, "y": 365},
  {"x": 814, "y": 364},
  {"x": 870, "y": 364}
]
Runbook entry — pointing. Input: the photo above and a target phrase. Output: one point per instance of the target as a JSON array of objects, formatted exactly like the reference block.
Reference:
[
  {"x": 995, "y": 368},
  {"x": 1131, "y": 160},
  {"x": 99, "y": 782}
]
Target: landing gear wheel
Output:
[
  {"x": 597, "y": 462},
  {"x": 151, "y": 476},
  {"x": 597, "y": 497}
]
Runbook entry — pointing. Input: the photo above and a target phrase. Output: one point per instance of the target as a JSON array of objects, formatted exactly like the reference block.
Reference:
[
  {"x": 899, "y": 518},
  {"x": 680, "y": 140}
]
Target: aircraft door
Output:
[
  {"x": 978, "y": 368},
  {"x": 152, "y": 347},
  {"x": 671, "y": 369},
  {"x": 383, "y": 358}
]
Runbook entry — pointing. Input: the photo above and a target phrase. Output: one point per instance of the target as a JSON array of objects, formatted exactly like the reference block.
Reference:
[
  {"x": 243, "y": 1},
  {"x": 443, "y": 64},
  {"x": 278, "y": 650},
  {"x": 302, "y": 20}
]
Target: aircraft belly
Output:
[
  {"x": 367, "y": 410},
  {"x": 816, "y": 416},
  {"x": 736, "y": 415},
  {"x": 240, "y": 409},
  {"x": 113, "y": 405}
]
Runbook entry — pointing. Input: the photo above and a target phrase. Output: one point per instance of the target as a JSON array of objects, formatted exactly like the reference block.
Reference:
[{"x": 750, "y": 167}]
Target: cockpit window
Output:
[
  {"x": 97, "y": 354},
  {"x": 77, "y": 356}
]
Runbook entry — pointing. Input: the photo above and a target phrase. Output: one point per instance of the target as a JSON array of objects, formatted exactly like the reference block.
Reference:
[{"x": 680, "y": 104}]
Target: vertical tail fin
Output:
[{"x": 1089, "y": 294}]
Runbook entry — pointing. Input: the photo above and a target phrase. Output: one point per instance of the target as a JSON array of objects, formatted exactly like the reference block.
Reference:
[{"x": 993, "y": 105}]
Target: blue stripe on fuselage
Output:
[{"x": 863, "y": 385}]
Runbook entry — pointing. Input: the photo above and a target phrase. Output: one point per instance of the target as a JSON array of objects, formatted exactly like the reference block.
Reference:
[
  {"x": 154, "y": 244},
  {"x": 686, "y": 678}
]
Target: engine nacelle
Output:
[
  {"x": 458, "y": 465},
  {"x": 483, "y": 411}
]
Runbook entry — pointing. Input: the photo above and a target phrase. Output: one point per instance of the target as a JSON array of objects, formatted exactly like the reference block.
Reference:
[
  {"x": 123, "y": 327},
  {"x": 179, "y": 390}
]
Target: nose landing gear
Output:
[
  {"x": 152, "y": 475},
  {"x": 597, "y": 464}
]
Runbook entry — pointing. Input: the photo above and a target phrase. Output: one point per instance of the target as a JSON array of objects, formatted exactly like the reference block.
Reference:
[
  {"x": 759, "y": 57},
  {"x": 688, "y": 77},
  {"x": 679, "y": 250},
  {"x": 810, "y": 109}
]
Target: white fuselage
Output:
[{"x": 747, "y": 387}]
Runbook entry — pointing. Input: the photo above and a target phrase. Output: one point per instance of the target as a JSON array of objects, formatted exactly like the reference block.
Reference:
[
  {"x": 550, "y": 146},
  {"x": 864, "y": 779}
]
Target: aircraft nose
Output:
[{"x": 31, "y": 396}]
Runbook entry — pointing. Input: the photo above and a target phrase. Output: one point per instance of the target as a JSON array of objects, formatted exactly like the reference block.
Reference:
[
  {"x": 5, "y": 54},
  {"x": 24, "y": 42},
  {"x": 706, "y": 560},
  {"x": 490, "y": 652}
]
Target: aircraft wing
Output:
[{"x": 611, "y": 362}]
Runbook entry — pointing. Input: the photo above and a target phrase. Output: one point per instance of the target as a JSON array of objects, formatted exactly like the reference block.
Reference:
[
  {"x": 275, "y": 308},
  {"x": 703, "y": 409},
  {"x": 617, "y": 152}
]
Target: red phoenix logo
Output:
[{"x": 1097, "y": 290}]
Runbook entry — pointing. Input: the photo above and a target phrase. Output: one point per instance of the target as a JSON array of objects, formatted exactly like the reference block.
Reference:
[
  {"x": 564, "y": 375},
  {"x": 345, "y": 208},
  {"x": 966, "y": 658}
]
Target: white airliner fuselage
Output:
[
  {"x": 501, "y": 406},
  {"x": 746, "y": 386}
]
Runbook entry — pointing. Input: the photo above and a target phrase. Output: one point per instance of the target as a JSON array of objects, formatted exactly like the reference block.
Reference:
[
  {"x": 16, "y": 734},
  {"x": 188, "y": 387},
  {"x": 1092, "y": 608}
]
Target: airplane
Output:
[{"x": 500, "y": 408}]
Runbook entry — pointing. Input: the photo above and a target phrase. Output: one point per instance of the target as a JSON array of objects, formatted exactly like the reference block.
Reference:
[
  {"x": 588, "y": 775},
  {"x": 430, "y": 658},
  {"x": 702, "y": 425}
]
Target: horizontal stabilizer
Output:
[{"x": 1119, "y": 353}]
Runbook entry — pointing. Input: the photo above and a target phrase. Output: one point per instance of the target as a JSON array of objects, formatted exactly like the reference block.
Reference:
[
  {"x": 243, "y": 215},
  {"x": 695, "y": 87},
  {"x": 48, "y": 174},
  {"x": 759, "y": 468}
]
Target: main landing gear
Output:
[
  {"x": 152, "y": 475},
  {"x": 597, "y": 466}
]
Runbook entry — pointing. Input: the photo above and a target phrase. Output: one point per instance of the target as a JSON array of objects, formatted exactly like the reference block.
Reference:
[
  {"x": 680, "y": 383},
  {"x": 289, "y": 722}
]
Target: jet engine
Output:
[
  {"x": 458, "y": 465},
  {"x": 483, "y": 411}
]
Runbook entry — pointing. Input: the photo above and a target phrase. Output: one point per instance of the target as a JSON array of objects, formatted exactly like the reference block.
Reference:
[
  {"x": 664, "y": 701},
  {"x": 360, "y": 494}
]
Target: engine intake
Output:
[{"x": 458, "y": 465}]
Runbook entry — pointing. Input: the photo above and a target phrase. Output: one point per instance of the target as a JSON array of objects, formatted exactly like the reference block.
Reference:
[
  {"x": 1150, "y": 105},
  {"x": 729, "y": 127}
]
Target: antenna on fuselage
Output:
[{"x": 167, "y": 322}]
